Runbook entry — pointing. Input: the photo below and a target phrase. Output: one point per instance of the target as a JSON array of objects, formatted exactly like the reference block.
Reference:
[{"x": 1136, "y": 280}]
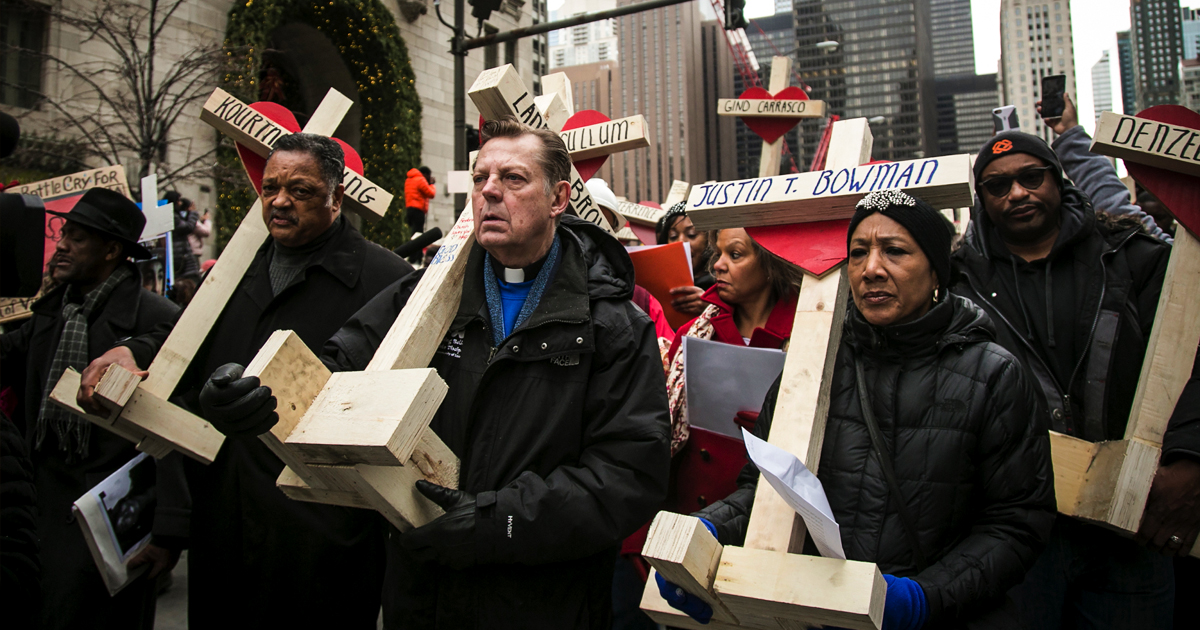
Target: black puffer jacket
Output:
[
  {"x": 562, "y": 435},
  {"x": 955, "y": 410},
  {"x": 1103, "y": 279}
]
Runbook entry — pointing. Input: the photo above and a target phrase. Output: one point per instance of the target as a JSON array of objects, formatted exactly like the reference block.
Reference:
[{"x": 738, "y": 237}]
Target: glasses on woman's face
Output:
[{"x": 1031, "y": 179}]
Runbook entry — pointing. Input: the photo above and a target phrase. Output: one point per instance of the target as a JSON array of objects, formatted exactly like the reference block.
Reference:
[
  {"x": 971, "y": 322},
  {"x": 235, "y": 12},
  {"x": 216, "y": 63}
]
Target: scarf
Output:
[
  {"x": 491, "y": 290},
  {"x": 73, "y": 433},
  {"x": 702, "y": 328}
]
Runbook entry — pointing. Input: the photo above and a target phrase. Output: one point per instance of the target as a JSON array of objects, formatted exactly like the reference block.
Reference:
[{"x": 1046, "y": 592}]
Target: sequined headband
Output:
[{"x": 881, "y": 200}]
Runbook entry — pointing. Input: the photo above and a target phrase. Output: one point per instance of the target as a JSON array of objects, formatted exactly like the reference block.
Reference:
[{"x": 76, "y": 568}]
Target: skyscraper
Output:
[
  {"x": 1191, "y": 33},
  {"x": 584, "y": 43},
  {"x": 673, "y": 69},
  {"x": 964, "y": 100},
  {"x": 1157, "y": 45},
  {"x": 1128, "y": 86},
  {"x": 1035, "y": 41},
  {"x": 870, "y": 58},
  {"x": 1102, "y": 85}
]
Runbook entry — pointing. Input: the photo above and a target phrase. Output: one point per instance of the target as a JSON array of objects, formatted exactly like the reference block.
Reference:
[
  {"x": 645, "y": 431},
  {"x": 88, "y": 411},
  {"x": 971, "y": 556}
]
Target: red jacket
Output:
[
  {"x": 725, "y": 330},
  {"x": 417, "y": 191},
  {"x": 707, "y": 467}
]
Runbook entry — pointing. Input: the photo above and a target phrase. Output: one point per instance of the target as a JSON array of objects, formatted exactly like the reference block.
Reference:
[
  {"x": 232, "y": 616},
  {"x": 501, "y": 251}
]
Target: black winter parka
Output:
[
  {"x": 1115, "y": 273},
  {"x": 955, "y": 410},
  {"x": 252, "y": 547},
  {"x": 563, "y": 436}
]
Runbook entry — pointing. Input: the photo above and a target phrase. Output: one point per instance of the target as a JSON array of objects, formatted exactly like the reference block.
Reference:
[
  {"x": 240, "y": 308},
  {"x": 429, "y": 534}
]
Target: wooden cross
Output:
[
  {"x": 781, "y": 72},
  {"x": 678, "y": 192},
  {"x": 362, "y": 438},
  {"x": 1108, "y": 483},
  {"x": 768, "y": 583},
  {"x": 139, "y": 410}
]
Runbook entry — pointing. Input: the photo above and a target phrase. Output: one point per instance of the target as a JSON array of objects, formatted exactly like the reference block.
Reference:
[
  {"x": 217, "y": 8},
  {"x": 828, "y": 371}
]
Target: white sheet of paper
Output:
[
  {"x": 718, "y": 392},
  {"x": 687, "y": 250},
  {"x": 801, "y": 490}
]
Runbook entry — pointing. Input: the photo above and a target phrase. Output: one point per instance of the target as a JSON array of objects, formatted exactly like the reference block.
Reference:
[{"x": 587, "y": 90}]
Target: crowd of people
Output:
[{"x": 567, "y": 405}]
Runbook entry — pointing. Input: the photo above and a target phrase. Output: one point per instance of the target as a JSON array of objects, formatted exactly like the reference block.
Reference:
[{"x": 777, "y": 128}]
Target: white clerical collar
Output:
[{"x": 514, "y": 275}]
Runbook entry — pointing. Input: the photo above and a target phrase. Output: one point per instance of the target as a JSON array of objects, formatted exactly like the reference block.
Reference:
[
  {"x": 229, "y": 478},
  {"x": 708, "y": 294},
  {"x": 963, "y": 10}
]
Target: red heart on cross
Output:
[
  {"x": 282, "y": 116},
  {"x": 587, "y": 168},
  {"x": 1179, "y": 193},
  {"x": 815, "y": 247},
  {"x": 770, "y": 128}
]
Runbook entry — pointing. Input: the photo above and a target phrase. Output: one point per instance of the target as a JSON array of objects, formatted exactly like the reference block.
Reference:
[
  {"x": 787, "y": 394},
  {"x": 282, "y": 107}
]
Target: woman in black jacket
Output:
[{"x": 970, "y": 499}]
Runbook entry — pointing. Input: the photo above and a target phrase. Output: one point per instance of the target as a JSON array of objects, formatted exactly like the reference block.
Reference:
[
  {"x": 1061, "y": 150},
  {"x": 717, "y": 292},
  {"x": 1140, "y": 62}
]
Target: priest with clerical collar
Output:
[{"x": 557, "y": 409}]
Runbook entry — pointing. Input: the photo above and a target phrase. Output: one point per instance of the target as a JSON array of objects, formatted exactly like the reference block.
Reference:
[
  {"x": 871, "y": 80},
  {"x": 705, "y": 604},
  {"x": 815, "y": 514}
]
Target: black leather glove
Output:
[
  {"x": 236, "y": 406},
  {"x": 450, "y": 538}
]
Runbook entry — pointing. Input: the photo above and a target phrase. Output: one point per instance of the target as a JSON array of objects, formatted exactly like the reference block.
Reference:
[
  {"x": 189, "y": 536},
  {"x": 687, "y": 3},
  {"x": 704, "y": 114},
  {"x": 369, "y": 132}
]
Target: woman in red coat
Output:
[{"x": 752, "y": 303}]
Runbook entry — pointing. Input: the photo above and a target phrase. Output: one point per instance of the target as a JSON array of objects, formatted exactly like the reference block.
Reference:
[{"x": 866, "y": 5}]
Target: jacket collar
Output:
[
  {"x": 953, "y": 320},
  {"x": 341, "y": 256},
  {"x": 772, "y": 335}
]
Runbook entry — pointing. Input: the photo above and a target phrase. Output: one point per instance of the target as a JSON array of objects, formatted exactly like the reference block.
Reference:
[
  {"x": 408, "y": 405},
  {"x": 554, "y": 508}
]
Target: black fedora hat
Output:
[{"x": 112, "y": 214}]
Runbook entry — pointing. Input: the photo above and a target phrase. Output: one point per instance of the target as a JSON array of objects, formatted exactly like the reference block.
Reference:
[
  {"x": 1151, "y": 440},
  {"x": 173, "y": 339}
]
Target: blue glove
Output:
[
  {"x": 680, "y": 599},
  {"x": 683, "y": 601},
  {"x": 905, "y": 607}
]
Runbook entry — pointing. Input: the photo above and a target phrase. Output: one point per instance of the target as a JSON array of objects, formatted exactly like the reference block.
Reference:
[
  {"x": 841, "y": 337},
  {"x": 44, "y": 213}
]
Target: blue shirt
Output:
[{"x": 512, "y": 298}]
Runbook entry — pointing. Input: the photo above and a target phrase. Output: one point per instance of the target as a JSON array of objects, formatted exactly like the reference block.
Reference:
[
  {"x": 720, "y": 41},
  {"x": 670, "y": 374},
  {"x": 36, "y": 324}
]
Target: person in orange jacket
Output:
[{"x": 418, "y": 190}]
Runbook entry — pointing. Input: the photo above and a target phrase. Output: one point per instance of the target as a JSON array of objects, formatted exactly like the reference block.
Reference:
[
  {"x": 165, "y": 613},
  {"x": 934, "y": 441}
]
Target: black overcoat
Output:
[
  {"x": 257, "y": 558},
  {"x": 73, "y": 593}
]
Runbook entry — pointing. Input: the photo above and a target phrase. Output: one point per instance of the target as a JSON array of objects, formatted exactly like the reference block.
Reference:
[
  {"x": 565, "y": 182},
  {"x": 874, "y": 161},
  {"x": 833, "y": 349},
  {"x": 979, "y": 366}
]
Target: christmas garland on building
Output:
[{"x": 365, "y": 33}]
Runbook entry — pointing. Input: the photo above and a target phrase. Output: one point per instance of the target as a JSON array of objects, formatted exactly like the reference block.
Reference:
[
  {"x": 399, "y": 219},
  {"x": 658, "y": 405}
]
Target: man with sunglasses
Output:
[{"x": 1073, "y": 294}]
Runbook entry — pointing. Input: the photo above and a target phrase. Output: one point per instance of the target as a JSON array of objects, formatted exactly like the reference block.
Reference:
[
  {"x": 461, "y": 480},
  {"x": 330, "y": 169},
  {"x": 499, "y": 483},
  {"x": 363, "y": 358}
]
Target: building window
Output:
[
  {"x": 22, "y": 41},
  {"x": 602, "y": 52}
]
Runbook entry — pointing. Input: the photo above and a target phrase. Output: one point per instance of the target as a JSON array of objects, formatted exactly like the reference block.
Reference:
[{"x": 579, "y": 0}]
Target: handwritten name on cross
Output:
[{"x": 141, "y": 408}]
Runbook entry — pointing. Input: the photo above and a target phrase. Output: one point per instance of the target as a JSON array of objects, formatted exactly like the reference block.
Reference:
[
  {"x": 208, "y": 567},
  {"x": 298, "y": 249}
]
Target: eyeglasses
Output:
[{"x": 1031, "y": 179}]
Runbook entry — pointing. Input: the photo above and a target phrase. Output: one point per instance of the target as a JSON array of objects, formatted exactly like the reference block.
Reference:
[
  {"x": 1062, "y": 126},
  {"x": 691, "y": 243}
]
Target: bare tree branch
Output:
[{"x": 123, "y": 108}]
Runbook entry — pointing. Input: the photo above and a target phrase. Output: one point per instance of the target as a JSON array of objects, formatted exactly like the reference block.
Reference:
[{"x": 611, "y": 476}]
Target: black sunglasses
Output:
[{"x": 1031, "y": 179}]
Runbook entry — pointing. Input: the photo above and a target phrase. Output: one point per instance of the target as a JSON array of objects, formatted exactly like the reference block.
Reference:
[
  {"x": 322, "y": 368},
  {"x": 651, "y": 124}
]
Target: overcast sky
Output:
[{"x": 1098, "y": 19}]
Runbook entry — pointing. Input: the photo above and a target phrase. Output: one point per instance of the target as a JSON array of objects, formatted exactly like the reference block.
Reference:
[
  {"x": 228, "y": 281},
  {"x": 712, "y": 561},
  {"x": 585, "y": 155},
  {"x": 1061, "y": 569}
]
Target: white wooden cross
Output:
[
  {"x": 768, "y": 583},
  {"x": 139, "y": 410},
  {"x": 1108, "y": 483},
  {"x": 781, "y": 72},
  {"x": 362, "y": 438}
]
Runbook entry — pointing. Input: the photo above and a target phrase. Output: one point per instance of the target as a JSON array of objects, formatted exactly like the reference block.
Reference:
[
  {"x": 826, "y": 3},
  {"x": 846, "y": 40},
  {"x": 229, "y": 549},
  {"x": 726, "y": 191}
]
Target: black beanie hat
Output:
[
  {"x": 927, "y": 226},
  {"x": 1014, "y": 141}
]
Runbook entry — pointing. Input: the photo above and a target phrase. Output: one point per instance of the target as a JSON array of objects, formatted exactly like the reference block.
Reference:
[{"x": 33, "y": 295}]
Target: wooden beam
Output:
[
  {"x": 771, "y": 155},
  {"x": 811, "y": 590},
  {"x": 683, "y": 550},
  {"x": 802, "y": 405},
  {"x": 678, "y": 192},
  {"x": 499, "y": 93},
  {"x": 294, "y": 487},
  {"x": 642, "y": 215},
  {"x": 116, "y": 388},
  {"x": 110, "y": 177},
  {"x": 614, "y": 136},
  {"x": 559, "y": 83},
  {"x": 770, "y": 108},
  {"x": 944, "y": 182},
  {"x": 259, "y": 134},
  {"x": 426, "y": 317},
  {"x": 374, "y": 417},
  {"x": 1149, "y": 142},
  {"x": 1171, "y": 349},
  {"x": 850, "y": 143}
]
